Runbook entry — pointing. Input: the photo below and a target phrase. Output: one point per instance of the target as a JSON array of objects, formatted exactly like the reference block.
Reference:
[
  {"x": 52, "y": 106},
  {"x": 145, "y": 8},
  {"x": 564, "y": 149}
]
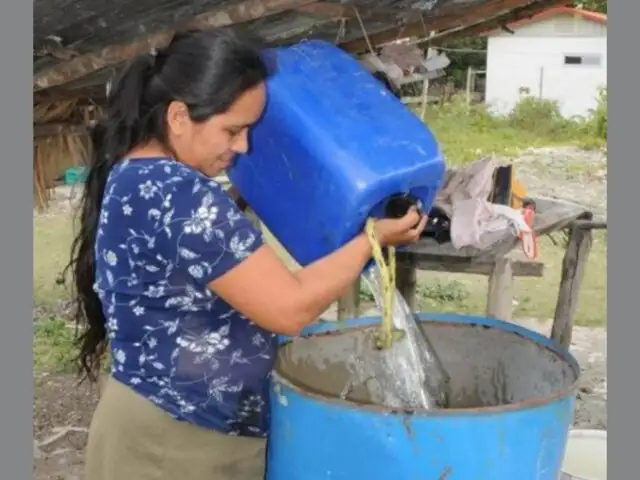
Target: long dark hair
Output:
[{"x": 206, "y": 70}]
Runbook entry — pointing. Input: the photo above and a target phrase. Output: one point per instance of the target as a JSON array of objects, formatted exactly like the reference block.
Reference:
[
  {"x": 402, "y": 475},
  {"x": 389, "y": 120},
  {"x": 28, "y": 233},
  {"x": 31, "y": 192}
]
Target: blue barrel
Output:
[
  {"x": 331, "y": 149},
  {"x": 512, "y": 404}
]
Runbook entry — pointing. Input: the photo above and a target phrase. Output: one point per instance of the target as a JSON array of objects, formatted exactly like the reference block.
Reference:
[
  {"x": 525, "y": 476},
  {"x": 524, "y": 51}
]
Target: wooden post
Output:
[
  {"x": 573, "y": 265},
  {"x": 425, "y": 87},
  {"x": 500, "y": 292},
  {"x": 349, "y": 304},
  {"x": 406, "y": 279},
  {"x": 468, "y": 85}
]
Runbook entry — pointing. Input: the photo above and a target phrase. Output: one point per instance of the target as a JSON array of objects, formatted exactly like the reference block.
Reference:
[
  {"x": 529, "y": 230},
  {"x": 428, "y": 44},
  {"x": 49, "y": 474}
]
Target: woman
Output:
[{"x": 177, "y": 282}]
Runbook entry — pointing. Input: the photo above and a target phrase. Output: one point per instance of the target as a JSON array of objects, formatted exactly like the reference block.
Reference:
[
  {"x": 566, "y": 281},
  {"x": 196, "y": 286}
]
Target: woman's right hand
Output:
[{"x": 401, "y": 231}]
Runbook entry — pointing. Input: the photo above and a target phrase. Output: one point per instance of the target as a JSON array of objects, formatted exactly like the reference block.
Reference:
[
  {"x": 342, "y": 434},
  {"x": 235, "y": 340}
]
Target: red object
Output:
[{"x": 529, "y": 239}]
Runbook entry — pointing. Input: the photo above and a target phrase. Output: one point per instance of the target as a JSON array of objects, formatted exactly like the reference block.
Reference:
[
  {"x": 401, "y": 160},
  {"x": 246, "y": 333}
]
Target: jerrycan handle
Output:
[{"x": 398, "y": 205}]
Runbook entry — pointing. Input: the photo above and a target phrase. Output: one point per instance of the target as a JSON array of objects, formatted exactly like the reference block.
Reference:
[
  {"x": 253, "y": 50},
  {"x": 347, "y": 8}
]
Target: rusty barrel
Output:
[{"x": 511, "y": 407}]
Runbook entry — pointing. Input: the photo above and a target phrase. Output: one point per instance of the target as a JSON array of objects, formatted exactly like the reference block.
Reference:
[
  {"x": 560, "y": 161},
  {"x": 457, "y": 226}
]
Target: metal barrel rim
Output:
[{"x": 323, "y": 328}]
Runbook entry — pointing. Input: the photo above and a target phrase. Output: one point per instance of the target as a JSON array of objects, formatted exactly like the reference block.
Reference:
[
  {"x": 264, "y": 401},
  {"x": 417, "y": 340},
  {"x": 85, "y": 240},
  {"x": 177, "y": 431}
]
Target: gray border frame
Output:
[
  {"x": 16, "y": 207},
  {"x": 16, "y": 297},
  {"x": 624, "y": 328}
]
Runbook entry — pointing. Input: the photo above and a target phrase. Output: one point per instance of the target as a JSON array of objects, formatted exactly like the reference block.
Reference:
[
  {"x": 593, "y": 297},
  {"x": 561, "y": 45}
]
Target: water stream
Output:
[{"x": 407, "y": 375}]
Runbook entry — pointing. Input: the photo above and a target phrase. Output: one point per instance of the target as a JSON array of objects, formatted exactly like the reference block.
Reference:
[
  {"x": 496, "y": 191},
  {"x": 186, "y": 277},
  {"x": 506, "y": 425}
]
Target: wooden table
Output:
[{"x": 501, "y": 263}]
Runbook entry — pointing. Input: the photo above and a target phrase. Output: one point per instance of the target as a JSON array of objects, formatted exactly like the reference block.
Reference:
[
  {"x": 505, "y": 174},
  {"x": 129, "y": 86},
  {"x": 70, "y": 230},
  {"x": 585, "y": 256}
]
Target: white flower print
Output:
[
  {"x": 257, "y": 340},
  {"x": 155, "y": 291},
  {"x": 239, "y": 247},
  {"x": 111, "y": 258},
  {"x": 147, "y": 190},
  {"x": 112, "y": 324},
  {"x": 233, "y": 216},
  {"x": 207, "y": 344},
  {"x": 119, "y": 356},
  {"x": 201, "y": 222},
  {"x": 196, "y": 270},
  {"x": 127, "y": 210}
]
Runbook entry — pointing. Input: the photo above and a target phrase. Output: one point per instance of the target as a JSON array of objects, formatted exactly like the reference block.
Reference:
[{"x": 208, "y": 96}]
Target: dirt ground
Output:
[{"x": 62, "y": 409}]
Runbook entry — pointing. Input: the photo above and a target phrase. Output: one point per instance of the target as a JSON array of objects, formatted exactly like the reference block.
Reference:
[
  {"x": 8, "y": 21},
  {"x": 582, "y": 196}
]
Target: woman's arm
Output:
[{"x": 263, "y": 289}]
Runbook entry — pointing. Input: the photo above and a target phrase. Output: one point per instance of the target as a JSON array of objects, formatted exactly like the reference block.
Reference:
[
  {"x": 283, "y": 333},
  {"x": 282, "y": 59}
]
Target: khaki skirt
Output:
[{"x": 130, "y": 438}]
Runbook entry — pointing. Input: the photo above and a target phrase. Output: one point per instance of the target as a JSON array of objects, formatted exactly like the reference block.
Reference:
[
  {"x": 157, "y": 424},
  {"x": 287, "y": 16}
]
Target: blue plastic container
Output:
[
  {"x": 75, "y": 175},
  {"x": 333, "y": 145},
  {"x": 513, "y": 398}
]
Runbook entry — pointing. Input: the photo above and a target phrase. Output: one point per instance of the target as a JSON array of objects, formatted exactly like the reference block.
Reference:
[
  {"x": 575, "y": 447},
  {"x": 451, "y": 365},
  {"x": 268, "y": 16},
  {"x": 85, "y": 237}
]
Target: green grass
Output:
[
  {"x": 534, "y": 297},
  {"x": 52, "y": 236},
  {"x": 53, "y": 349},
  {"x": 469, "y": 132}
]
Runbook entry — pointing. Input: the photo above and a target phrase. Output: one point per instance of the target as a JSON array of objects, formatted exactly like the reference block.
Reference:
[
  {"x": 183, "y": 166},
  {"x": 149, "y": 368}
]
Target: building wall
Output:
[{"x": 562, "y": 59}]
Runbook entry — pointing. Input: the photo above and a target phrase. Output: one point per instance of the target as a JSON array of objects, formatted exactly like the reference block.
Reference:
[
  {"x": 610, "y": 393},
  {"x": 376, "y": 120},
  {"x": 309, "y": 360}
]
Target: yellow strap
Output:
[{"x": 385, "y": 335}]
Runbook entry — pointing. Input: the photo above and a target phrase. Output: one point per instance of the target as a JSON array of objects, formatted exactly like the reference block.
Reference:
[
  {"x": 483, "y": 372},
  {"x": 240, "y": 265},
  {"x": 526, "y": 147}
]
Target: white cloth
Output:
[{"x": 476, "y": 222}]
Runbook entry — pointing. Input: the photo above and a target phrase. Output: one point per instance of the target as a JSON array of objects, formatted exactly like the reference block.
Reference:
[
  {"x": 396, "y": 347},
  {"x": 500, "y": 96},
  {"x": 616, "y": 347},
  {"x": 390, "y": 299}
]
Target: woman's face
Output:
[{"x": 211, "y": 146}]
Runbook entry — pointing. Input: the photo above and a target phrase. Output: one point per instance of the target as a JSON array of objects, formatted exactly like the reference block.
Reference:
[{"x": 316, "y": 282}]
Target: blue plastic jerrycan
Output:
[{"x": 332, "y": 148}]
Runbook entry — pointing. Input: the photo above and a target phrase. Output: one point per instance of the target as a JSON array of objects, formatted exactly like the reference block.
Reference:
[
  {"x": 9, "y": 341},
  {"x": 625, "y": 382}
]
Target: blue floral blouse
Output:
[{"x": 165, "y": 232}]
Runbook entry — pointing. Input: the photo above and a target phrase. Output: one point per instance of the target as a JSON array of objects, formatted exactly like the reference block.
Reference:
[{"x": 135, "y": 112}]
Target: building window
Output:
[{"x": 591, "y": 60}]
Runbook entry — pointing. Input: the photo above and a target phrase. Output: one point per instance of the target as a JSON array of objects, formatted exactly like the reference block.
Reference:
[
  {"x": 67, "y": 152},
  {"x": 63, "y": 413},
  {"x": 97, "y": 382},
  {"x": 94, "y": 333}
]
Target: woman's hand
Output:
[{"x": 401, "y": 231}]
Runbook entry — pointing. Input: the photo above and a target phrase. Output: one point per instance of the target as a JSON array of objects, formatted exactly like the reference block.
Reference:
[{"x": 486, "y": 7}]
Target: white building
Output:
[{"x": 559, "y": 54}]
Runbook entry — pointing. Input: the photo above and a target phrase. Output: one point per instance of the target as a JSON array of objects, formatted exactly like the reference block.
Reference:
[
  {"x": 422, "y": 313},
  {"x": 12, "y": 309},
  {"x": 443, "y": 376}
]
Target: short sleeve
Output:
[{"x": 205, "y": 233}]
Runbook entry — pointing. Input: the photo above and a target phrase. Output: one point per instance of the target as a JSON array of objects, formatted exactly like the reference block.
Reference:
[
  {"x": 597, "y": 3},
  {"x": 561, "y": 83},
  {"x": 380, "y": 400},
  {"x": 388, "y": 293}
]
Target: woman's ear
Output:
[{"x": 178, "y": 118}]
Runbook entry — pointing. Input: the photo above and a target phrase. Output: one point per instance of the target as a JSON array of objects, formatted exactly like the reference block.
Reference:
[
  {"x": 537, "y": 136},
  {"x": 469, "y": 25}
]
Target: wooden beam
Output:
[
  {"x": 336, "y": 11},
  {"x": 447, "y": 18},
  {"x": 519, "y": 268},
  {"x": 573, "y": 266},
  {"x": 96, "y": 94},
  {"x": 88, "y": 63},
  {"x": 53, "y": 129}
]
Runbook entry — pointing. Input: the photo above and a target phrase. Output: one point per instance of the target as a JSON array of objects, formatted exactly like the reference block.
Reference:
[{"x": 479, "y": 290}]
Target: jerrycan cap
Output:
[{"x": 398, "y": 205}]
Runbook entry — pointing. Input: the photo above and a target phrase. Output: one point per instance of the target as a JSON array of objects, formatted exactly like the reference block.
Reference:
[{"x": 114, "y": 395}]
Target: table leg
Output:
[
  {"x": 407, "y": 279},
  {"x": 500, "y": 291},
  {"x": 573, "y": 265},
  {"x": 349, "y": 303}
]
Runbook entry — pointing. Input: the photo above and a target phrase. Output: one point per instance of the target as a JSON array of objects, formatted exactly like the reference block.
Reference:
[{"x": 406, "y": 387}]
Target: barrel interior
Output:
[{"x": 488, "y": 366}]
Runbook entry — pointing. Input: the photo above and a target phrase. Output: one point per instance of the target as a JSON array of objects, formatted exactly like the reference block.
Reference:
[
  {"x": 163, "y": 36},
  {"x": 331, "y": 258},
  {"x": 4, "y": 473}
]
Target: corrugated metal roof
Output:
[
  {"x": 68, "y": 31},
  {"x": 589, "y": 15}
]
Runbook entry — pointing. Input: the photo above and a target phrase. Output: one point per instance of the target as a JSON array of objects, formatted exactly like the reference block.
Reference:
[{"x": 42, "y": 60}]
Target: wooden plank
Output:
[
  {"x": 573, "y": 266},
  {"x": 336, "y": 11},
  {"x": 349, "y": 303},
  {"x": 407, "y": 279},
  {"x": 114, "y": 54},
  {"x": 54, "y": 129},
  {"x": 520, "y": 268},
  {"x": 500, "y": 292}
]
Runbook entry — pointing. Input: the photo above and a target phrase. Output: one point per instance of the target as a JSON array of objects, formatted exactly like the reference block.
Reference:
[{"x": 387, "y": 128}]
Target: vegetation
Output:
[{"x": 468, "y": 132}]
